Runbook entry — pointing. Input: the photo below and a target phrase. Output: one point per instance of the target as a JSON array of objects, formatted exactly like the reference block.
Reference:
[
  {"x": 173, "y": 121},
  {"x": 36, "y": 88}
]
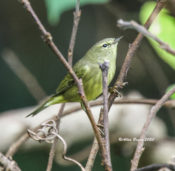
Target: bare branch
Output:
[
  {"x": 126, "y": 65},
  {"x": 104, "y": 68},
  {"x": 65, "y": 151},
  {"x": 153, "y": 111},
  {"x": 24, "y": 74},
  {"x": 16, "y": 145},
  {"x": 8, "y": 164},
  {"x": 52, "y": 150},
  {"x": 51, "y": 155},
  {"x": 92, "y": 155},
  {"x": 132, "y": 48},
  {"x": 168, "y": 104},
  {"x": 77, "y": 15},
  {"x": 48, "y": 39},
  {"x": 133, "y": 25}
]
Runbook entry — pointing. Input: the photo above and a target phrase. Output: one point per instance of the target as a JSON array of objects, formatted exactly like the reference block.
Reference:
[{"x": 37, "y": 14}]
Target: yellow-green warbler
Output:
[{"x": 87, "y": 68}]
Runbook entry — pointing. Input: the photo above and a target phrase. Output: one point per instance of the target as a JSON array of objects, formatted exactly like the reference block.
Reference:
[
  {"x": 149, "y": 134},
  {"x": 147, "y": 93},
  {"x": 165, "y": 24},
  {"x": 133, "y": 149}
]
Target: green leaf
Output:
[
  {"x": 164, "y": 28},
  {"x": 56, "y": 7},
  {"x": 169, "y": 88}
]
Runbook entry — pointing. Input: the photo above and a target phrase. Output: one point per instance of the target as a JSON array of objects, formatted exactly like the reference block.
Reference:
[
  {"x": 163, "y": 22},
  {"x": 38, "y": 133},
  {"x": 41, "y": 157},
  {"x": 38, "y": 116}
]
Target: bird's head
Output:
[{"x": 104, "y": 49}]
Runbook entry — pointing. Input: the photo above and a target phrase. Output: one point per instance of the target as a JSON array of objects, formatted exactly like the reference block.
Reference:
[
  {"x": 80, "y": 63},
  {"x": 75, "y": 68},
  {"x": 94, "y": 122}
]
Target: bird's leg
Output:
[{"x": 114, "y": 90}]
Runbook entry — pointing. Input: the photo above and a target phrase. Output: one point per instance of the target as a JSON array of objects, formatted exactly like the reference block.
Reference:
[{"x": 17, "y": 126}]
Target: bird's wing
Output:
[
  {"x": 65, "y": 84},
  {"x": 68, "y": 81}
]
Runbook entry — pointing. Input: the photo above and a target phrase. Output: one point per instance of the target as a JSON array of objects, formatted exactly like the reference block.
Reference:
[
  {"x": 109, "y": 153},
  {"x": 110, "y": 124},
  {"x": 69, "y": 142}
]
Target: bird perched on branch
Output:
[{"x": 87, "y": 68}]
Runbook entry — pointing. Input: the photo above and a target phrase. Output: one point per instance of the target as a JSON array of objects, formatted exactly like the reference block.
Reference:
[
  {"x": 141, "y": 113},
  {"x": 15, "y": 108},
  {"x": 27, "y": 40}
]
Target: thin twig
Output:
[
  {"x": 153, "y": 111},
  {"x": 133, "y": 25},
  {"x": 51, "y": 156},
  {"x": 65, "y": 151},
  {"x": 16, "y": 145},
  {"x": 8, "y": 164},
  {"x": 95, "y": 147},
  {"x": 47, "y": 133},
  {"x": 127, "y": 62},
  {"x": 53, "y": 147},
  {"x": 132, "y": 48},
  {"x": 24, "y": 74},
  {"x": 153, "y": 167},
  {"x": 80, "y": 155},
  {"x": 104, "y": 68},
  {"x": 92, "y": 155},
  {"x": 48, "y": 39},
  {"x": 77, "y": 15},
  {"x": 168, "y": 104}
]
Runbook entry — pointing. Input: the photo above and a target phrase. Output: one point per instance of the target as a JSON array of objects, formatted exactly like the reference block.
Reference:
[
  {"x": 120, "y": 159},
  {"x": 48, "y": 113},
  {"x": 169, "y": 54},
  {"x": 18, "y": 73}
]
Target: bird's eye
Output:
[{"x": 105, "y": 45}]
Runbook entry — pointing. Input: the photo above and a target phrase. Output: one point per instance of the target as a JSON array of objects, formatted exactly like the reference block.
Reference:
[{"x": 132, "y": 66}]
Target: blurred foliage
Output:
[
  {"x": 163, "y": 27},
  {"x": 55, "y": 8}
]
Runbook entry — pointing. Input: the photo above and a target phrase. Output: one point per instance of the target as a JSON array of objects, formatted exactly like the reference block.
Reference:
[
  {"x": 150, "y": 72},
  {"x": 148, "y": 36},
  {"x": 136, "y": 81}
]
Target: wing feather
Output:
[{"x": 68, "y": 81}]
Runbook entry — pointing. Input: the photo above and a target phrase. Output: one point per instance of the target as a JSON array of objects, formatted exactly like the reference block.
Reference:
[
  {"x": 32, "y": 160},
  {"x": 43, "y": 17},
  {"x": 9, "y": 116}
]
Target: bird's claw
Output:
[
  {"x": 115, "y": 88},
  {"x": 121, "y": 85}
]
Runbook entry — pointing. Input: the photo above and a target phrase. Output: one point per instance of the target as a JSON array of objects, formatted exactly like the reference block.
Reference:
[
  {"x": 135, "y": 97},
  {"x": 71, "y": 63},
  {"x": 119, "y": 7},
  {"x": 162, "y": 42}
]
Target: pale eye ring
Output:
[{"x": 105, "y": 45}]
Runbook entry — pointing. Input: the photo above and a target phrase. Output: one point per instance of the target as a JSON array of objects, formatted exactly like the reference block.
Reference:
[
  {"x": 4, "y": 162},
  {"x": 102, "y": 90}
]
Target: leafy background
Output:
[
  {"x": 148, "y": 74},
  {"x": 163, "y": 27}
]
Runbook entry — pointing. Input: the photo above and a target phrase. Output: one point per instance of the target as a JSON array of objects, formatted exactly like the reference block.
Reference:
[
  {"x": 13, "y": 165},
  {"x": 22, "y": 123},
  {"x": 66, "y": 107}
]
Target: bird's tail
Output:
[
  {"x": 52, "y": 100},
  {"x": 37, "y": 110}
]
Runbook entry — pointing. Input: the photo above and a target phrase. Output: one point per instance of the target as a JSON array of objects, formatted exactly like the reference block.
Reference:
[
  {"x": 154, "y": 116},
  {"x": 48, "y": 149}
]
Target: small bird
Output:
[{"x": 87, "y": 68}]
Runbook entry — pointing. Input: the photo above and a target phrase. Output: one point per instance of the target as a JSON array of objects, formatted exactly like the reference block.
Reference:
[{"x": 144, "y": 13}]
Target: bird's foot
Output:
[{"x": 115, "y": 88}]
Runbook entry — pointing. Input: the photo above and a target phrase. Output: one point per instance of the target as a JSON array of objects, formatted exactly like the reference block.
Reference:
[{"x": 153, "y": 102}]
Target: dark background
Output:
[{"x": 148, "y": 74}]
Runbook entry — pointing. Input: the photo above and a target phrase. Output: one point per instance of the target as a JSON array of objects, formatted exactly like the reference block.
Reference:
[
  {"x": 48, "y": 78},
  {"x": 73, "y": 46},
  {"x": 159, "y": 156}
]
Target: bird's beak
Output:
[{"x": 117, "y": 39}]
